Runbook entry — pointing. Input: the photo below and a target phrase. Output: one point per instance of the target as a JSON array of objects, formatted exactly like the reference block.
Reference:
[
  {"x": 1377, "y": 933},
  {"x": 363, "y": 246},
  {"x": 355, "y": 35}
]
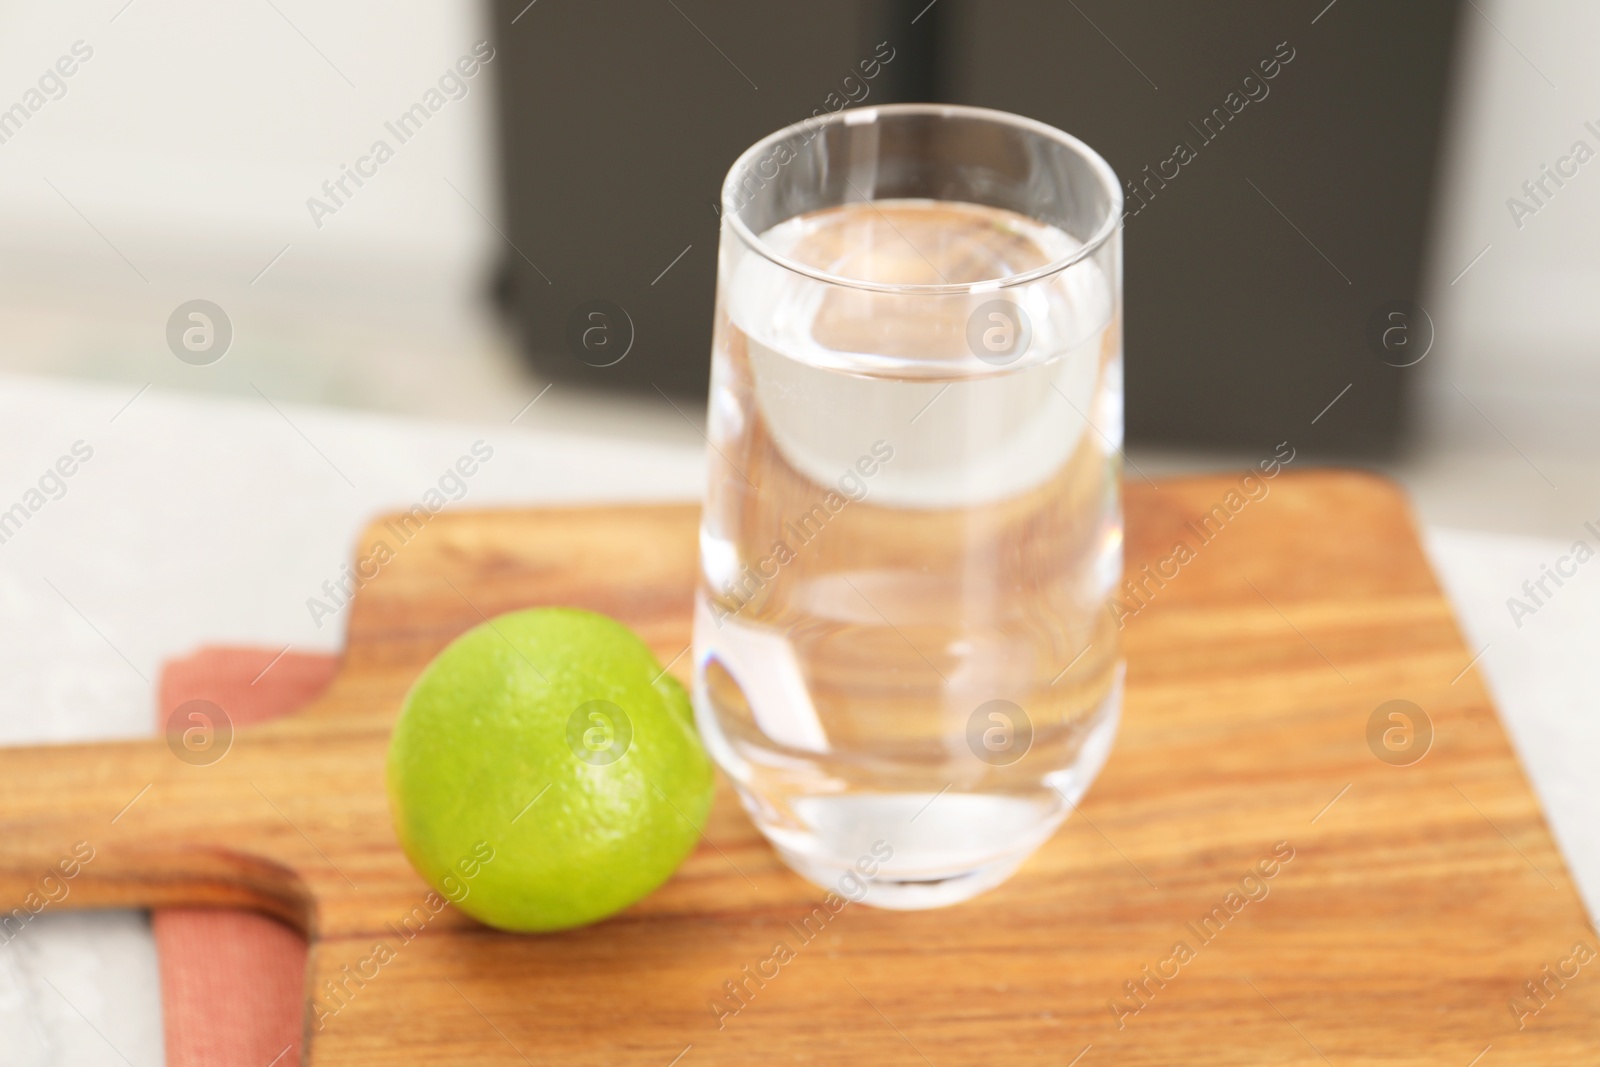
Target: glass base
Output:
[
  {"x": 896, "y": 894},
  {"x": 913, "y": 849},
  {"x": 906, "y": 851}
]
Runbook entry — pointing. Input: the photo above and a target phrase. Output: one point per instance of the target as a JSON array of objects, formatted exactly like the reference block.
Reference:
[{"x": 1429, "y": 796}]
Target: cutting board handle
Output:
[{"x": 78, "y": 825}]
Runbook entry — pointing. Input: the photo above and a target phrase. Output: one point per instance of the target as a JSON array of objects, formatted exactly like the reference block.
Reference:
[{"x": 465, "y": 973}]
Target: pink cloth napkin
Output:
[{"x": 233, "y": 982}]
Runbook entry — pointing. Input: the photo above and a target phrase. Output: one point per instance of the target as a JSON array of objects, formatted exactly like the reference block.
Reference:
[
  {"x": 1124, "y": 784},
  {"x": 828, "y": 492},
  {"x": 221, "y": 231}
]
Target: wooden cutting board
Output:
[{"x": 1415, "y": 903}]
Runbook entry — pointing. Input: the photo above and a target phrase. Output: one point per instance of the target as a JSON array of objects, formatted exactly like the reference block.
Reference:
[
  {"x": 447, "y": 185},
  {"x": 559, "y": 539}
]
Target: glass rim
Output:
[{"x": 861, "y": 115}]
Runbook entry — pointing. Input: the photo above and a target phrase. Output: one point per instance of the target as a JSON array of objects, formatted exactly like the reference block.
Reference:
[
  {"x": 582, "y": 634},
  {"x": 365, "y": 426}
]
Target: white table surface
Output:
[{"x": 200, "y": 521}]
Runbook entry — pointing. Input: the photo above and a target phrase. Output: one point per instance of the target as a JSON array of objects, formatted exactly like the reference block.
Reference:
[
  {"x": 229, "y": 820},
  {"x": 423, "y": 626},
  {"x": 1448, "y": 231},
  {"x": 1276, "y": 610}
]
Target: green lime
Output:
[{"x": 545, "y": 772}]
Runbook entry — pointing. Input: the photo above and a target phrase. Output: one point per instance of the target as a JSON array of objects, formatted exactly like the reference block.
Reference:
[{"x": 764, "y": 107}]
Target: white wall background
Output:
[
  {"x": 1520, "y": 332},
  {"x": 191, "y": 142}
]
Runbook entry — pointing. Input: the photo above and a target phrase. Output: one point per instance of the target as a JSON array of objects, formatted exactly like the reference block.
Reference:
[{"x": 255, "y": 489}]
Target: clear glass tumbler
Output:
[{"x": 904, "y": 658}]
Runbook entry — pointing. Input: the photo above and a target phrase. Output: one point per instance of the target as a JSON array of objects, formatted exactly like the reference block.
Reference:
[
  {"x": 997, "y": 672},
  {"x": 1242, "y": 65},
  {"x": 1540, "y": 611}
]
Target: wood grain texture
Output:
[{"x": 1415, "y": 907}]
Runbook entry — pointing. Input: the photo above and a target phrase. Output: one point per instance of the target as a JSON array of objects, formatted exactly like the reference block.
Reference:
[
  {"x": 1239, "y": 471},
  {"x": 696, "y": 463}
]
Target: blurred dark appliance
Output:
[{"x": 1279, "y": 158}]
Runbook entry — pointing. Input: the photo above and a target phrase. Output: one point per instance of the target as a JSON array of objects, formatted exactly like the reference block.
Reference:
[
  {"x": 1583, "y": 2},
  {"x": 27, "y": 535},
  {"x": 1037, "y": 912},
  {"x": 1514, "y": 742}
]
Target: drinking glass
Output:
[{"x": 903, "y": 655}]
